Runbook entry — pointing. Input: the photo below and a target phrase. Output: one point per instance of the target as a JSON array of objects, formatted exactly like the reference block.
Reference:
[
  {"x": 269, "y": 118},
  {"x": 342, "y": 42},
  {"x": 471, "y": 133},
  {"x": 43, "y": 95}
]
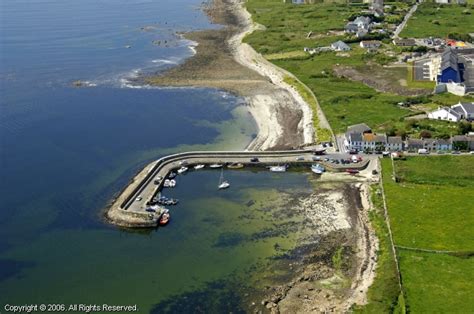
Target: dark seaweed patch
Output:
[
  {"x": 10, "y": 268},
  {"x": 228, "y": 239},
  {"x": 216, "y": 297}
]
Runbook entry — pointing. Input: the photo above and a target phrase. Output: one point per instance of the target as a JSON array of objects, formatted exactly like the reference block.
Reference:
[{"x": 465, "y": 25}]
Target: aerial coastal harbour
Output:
[
  {"x": 285, "y": 128},
  {"x": 237, "y": 156}
]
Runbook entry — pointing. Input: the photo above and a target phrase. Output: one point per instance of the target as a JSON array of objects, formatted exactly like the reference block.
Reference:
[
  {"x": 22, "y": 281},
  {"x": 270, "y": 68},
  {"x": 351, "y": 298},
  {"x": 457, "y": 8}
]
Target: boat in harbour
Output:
[
  {"x": 165, "y": 218},
  {"x": 352, "y": 171},
  {"x": 172, "y": 175},
  {"x": 223, "y": 184},
  {"x": 169, "y": 183},
  {"x": 317, "y": 168},
  {"x": 235, "y": 165},
  {"x": 278, "y": 168},
  {"x": 182, "y": 170},
  {"x": 197, "y": 167},
  {"x": 214, "y": 166}
]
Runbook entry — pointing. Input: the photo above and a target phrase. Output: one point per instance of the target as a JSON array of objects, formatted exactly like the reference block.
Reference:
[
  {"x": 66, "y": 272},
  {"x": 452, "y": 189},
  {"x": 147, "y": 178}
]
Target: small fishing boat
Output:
[
  {"x": 197, "y": 167},
  {"x": 235, "y": 165},
  {"x": 352, "y": 171},
  {"x": 317, "y": 168},
  {"x": 182, "y": 170},
  {"x": 214, "y": 166},
  {"x": 169, "y": 183},
  {"x": 172, "y": 175},
  {"x": 165, "y": 218},
  {"x": 278, "y": 168},
  {"x": 223, "y": 184}
]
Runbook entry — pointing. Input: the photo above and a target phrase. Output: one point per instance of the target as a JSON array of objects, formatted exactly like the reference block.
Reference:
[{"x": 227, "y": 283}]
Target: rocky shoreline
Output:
[{"x": 222, "y": 61}]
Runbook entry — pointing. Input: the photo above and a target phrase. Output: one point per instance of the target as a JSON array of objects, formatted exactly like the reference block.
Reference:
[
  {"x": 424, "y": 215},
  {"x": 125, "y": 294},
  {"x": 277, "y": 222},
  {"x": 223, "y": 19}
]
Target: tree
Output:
[
  {"x": 464, "y": 127},
  {"x": 425, "y": 134}
]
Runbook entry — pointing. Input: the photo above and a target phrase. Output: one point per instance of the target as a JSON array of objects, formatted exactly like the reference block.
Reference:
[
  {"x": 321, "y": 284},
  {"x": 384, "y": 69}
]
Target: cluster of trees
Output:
[
  {"x": 460, "y": 36},
  {"x": 425, "y": 129}
]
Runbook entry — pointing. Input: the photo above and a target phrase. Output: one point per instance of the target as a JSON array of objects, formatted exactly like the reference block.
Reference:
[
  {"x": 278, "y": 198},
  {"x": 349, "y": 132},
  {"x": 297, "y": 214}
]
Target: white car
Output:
[{"x": 138, "y": 199}]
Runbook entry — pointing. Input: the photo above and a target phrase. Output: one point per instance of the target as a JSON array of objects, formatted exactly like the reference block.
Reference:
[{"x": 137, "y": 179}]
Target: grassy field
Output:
[
  {"x": 431, "y": 208},
  {"x": 437, "y": 283},
  {"x": 344, "y": 102},
  {"x": 287, "y": 26},
  {"x": 439, "y": 20}
]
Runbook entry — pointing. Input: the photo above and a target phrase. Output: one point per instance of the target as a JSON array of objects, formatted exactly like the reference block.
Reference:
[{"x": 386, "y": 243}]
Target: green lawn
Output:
[
  {"x": 439, "y": 20},
  {"x": 431, "y": 208},
  {"x": 287, "y": 26},
  {"x": 343, "y": 101},
  {"x": 437, "y": 283}
]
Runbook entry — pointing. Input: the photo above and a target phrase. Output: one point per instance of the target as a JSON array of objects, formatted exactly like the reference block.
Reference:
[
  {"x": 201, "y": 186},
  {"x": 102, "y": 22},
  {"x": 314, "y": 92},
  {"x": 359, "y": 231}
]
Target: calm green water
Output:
[{"x": 225, "y": 237}]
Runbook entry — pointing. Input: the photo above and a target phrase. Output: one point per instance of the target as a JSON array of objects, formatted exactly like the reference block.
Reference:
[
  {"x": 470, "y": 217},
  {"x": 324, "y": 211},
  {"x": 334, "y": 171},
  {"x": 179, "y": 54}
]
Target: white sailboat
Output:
[
  {"x": 223, "y": 184},
  {"x": 197, "y": 167}
]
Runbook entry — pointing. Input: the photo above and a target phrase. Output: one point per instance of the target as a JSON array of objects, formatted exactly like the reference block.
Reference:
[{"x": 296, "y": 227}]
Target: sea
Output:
[{"x": 75, "y": 128}]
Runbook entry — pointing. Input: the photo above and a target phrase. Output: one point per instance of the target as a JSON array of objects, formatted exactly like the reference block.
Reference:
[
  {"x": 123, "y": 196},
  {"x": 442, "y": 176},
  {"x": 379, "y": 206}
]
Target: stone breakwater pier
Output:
[{"x": 129, "y": 208}]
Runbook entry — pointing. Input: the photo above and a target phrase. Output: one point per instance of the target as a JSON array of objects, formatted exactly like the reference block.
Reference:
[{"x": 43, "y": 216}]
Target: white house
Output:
[
  {"x": 340, "y": 46},
  {"x": 444, "y": 113}
]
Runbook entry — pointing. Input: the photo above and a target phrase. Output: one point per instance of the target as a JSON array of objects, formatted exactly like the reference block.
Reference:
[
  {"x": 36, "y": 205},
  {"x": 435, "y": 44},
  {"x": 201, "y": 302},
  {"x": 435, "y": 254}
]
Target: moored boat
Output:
[
  {"x": 165, "y": 218},
  {"x": 172, "y": 175},
  {"x": 352, "y": 171},
  {"x": 197, "y": 167},
  {"x": 317, "y": 168},
  {"x": 235, "y": 165},
  {"x": 278, "y": 168},
  {"x": 214, "y": 166},
  {"x": 223, "y": 184},
  {"x": 182, "y": 170}
]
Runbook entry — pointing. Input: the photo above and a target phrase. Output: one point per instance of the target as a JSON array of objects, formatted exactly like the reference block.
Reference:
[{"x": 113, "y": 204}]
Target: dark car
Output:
[
  {"x": 254, "y": 159},
  {"x": 353, "y": 151}
]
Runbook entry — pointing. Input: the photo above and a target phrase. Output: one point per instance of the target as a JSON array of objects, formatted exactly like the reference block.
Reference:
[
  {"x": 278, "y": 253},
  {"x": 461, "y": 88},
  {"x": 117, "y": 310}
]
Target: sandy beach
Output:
[{"x": 222, "y": 61}]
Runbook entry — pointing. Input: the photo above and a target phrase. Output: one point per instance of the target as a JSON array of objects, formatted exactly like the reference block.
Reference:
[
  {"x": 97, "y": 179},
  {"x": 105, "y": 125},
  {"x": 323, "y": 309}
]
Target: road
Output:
[{"x": 405, "y": 20}]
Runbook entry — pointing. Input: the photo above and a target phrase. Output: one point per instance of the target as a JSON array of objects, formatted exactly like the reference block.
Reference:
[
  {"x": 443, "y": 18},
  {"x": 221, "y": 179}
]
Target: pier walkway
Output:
[{"x": 129, "y": 208}]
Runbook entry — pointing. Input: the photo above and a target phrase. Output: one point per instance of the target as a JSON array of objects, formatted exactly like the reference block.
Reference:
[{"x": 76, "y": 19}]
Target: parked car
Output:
[
  {"x": 138, "y": 199},
  {"x": 254, "y": 159},
  {"x": 316, "y": 158},
  {"x": 455, "y": 152},
  {"x": 353, "y": 151},
  {"x": 300, "y": 158},
  {"x": 423, "y": 151}
]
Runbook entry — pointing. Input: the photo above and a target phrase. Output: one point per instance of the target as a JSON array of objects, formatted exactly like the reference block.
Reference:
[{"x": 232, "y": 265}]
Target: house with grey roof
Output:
[
  {"x": 465, "y": 110},
  {"x": 414, "y": 144},
  {"x": 394, "y": 144},
  {"x": 444, "y": 113},
  {"x": 444, "y": 144},
  {"x": 449, "y": 68},
  {"x": 340, "y": 46}
]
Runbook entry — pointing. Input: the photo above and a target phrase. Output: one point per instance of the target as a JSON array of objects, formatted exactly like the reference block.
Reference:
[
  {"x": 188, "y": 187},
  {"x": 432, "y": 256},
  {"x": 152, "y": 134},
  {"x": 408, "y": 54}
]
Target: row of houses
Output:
[
  {"x": 455, "y": 113},
  {"x": 359, "y": 137}
]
